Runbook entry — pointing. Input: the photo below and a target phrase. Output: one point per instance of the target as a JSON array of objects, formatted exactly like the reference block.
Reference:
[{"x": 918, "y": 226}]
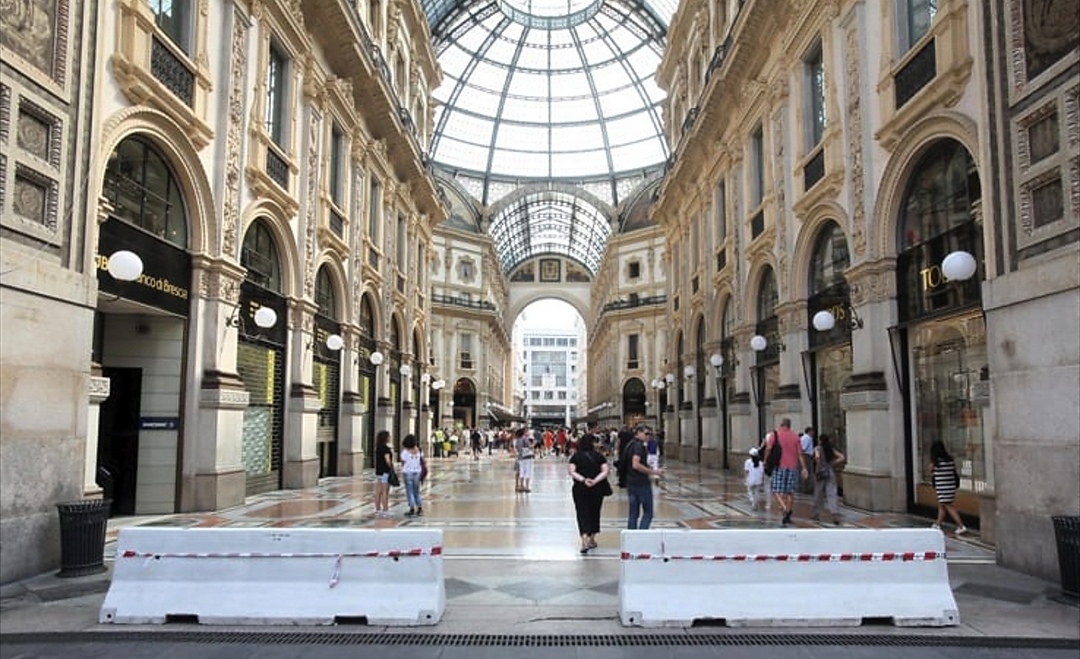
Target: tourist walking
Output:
[
  {"x": 384, "y": 465},
  {"x": 826, "y": 461},
  {"x": 412, "y": 466},
  {"x": 785, "y": 478},
  {"x": 589, "y": 471},
  {"x": 754, "y": 469},
  {"x": 946, "y": 480},
  {"x": 639, "y": 480}
]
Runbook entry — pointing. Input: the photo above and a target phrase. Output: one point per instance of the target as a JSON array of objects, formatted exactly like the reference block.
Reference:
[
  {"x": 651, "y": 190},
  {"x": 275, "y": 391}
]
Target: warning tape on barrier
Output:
[
  {"x": 391, "y": 553},
  {"x": 875, "y": 557}
]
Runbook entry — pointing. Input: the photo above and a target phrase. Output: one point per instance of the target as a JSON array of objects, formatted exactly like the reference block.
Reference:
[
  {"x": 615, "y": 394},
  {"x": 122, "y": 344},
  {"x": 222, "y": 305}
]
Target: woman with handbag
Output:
[
  {"x": 384, "y": 469},
  {"x": 826, "y": 461},
  {"x": 589, "y": 471}
]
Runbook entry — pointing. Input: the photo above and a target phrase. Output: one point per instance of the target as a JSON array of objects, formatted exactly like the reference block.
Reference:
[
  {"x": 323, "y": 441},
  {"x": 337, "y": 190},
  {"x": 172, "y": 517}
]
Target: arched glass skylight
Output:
[
  {"x": 548, "y": 90},
  {"x": 550, "y": 222}
]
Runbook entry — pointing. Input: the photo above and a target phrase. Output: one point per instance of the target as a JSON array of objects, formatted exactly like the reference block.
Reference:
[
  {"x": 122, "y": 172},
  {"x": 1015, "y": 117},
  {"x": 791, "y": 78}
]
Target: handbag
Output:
[
  {"x": 772, "y": 461},
  {"x": 392, "y": 478},
  {"x": 423, "y": 469}
]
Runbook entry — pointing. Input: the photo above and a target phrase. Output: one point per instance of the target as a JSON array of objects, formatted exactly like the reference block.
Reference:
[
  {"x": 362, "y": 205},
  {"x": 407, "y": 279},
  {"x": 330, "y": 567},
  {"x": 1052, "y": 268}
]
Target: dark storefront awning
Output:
[{"x": 501, "y": 416}]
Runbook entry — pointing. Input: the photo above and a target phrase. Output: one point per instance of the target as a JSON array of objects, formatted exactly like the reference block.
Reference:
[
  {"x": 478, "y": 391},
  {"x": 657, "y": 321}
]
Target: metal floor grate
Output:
[{"x": 519, "y": 640}]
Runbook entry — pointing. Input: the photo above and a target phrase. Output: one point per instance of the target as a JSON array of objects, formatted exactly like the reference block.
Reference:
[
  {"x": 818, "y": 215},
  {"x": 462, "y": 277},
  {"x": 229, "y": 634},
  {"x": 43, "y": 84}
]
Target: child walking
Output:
[{"x": 755, "y": 479}]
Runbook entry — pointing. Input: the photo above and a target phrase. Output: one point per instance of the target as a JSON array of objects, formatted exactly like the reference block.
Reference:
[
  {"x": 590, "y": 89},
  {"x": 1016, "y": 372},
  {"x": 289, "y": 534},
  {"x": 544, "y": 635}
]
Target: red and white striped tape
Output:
[
  {"x": 391, "y": 553},
  {"x": 887, "y": 556}
]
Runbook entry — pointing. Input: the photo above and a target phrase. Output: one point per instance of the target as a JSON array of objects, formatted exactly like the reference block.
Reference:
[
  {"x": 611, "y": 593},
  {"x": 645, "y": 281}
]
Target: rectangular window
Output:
[
  {"x": 815, "y": 102},
  {"x": 634, "y": 269},
  {"x": 1043, "y": 137},
  {"x": 757, "y": 167},
  {"x": 337, "y": 166},
  {"x": 402, "y": 254},
  {"x": 374, "y": 215},
  {"x": 173, "y": 17},
  {"x": 632, "y": 349},
  {"x": 918, "y": 16},
  {"x": 275, "y": 95}
]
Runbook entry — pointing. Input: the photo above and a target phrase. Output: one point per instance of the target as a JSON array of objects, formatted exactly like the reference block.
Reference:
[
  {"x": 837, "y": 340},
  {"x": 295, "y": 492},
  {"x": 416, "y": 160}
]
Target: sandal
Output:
[{"x": 592, "y": 544}]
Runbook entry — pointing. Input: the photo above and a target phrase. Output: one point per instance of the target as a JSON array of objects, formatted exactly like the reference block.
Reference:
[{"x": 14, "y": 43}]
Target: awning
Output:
[{"x": 504, "y": 417}]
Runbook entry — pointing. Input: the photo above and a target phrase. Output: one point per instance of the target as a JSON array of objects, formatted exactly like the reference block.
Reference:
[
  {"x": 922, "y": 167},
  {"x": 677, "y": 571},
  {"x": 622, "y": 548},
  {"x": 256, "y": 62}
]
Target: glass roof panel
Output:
[{"x": 543, "y": 89}]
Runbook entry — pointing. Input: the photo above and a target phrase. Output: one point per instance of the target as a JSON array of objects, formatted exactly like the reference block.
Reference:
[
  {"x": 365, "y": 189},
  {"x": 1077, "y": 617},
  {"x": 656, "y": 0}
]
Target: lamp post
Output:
[
  {"x": 717, "y": 361},
  {"x": 376, "y": 358}
]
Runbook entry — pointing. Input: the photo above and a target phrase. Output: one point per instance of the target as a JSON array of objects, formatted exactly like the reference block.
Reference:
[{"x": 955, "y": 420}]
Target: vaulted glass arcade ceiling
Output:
[{"x": 549, "y": 95}]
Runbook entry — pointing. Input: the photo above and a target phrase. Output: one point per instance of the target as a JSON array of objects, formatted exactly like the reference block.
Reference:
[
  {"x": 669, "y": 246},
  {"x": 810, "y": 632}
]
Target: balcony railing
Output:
[
  {"x": 814, "y": 170},
  {"x": 916, "y": 74},
  {"x": 277, "y": 169},
  {"x": 337, "y": 223},
  {"x": 652, "y": 300},
  {"x": 462, "y": 302},
  {"x": 172, "y": 72},
  {"x": 757, "y": 224}
]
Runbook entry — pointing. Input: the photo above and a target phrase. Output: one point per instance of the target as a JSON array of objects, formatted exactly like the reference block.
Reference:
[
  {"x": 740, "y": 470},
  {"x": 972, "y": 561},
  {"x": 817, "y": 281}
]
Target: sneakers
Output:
[
  {"x": 419, "y": 512},
  {"x": 935, "y": 525},
  {"x": 410, "y": 513},
  {"x": 787, "y": 519},
  {"x": 961, "y": 531}
]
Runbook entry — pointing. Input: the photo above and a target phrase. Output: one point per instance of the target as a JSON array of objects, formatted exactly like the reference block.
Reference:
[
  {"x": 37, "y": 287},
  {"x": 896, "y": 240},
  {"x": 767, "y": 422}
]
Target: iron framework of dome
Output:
[{"x": 549, "y": 92}]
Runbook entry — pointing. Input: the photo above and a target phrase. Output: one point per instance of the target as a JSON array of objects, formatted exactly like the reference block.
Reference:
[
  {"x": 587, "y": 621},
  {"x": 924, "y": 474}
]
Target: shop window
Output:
[
  {"x": 140, "y": 185},
  {"x": 259, "y": 256}
]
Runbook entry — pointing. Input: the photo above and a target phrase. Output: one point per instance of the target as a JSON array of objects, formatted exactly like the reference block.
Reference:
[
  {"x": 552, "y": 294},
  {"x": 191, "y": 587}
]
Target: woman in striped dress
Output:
[{"x": 943, "y": 474}]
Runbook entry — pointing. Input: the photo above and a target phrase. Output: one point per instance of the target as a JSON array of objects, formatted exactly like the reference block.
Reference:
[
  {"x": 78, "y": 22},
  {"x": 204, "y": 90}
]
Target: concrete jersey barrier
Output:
[
  {"x": 229, "y": 576},
  {"x": 785, "y": 577}
]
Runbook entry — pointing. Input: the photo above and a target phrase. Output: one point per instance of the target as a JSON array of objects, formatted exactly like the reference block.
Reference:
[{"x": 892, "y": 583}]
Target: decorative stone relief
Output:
[
  {"x": 36, "y": 30},
  {"x": 230, "y": 216},
  {"x": 854, "y": 113},
  {"x": 781, "y": 204},
  {"x": 315, "y": 126},
  {"x": 98, "y": 388}
]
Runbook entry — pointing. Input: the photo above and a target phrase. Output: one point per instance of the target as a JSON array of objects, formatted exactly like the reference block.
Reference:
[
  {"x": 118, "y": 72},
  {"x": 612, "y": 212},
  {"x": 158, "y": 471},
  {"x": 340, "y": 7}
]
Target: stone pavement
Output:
[{"x": 514, "y": 577}]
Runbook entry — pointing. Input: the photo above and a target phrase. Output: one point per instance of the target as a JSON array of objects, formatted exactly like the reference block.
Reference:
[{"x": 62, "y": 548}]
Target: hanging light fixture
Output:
[
  {"x": 824, "y": 321},
  {"x": 335, "y": 342},
  {"x": 124, "y": 265},
  {"x": 375, "y": 358},
  {"x": 265, "y": 317},
  {"x": 758, "y": 343},
  {"x": 959, "y": 266}
]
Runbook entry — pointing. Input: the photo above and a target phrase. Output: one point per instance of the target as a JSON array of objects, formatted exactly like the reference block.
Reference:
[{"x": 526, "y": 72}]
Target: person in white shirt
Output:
[
  {"x": 754, "y": 469},
  {"x": 807, "y": 443}
]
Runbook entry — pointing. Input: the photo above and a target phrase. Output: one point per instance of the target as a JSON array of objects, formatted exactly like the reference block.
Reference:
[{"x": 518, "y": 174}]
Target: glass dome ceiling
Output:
[{"x": 552, "y": 91}]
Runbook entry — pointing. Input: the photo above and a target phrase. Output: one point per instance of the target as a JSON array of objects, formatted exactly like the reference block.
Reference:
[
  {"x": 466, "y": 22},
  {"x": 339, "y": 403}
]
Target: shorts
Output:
[
  {"x": 383, "y": 478},
  {"x": 785, "y": 481},
  {"x": 525, "y": 468}
]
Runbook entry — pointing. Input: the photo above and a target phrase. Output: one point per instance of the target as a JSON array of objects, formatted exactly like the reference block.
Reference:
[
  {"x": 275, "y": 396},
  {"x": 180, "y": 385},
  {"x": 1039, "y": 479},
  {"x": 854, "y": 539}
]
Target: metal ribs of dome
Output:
[{"x": 536, "y": 101}]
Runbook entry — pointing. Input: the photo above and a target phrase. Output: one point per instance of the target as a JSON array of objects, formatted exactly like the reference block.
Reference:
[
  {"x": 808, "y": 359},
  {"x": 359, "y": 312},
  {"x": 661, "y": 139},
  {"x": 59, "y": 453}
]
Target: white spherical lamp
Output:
[
  {"x": 335, "y": 342},
  {"x": 125, "y": 265},
  {"x": 758, "y": 343},
  {"x": 717, "y": 360},
  {"x": 958, "y": 266},
  {"x": 265, "y": 317},
  {"x": 405, "y": 370},
  {"x": 824, "y": 321},
  {"x": 375, "y": 358}
]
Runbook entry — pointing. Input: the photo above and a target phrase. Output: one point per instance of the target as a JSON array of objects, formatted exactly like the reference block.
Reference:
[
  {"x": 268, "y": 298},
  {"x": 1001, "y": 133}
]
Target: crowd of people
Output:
[{"x": 783, "y": 464}]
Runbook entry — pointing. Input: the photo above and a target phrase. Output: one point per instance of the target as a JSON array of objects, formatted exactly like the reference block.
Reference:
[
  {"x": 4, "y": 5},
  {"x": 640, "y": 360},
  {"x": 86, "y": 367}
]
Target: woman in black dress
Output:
[{"x": 589, "y": 470}]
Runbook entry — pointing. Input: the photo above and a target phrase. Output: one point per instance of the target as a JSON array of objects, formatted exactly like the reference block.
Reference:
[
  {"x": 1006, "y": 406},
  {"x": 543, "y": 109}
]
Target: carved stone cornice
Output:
[{"x": 873, "y": 281}]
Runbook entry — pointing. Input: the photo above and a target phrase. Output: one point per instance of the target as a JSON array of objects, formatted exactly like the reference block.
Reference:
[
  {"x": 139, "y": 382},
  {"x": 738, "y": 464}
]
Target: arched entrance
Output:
[
  {"x": 260, "y": 358},
  {"x": 464, "y": 403},
  {"x": 140, "y": 330},
  {"x": 941, "y": 336},
  {"x": 326, "y": 373},
  {"x": 634, "y": 402}
]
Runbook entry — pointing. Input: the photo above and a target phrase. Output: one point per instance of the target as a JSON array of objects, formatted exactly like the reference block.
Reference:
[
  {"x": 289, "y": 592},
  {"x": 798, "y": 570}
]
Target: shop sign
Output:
[{"x": 166, "y": 275}]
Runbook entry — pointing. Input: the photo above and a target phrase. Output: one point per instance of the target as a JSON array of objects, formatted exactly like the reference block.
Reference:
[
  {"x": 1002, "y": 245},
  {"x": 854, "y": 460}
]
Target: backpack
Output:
[
  {"x": 772, "y": 461},
  {"x": 622, "y": 467}
]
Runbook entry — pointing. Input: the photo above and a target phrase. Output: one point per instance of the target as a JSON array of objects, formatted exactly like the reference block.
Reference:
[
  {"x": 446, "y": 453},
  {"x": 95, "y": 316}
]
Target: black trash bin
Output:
[
  {"x": 82, "y": 536},
  {"x": 1067, "y": 530}
]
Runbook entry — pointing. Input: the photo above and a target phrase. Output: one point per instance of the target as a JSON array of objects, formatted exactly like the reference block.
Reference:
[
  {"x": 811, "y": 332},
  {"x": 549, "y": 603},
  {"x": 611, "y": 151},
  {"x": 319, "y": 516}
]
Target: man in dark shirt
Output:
[{"x": 639, "y": 481}]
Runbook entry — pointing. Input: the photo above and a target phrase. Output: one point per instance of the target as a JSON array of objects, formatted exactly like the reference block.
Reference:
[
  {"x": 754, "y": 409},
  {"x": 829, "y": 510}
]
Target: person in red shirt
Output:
[{"x": 785, "y": 478}]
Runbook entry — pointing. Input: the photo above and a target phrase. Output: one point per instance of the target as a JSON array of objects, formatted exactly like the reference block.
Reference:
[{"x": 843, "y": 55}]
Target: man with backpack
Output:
[
  {"x": 636, "y": 475},
  {"x": 792, "y": 464}
]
